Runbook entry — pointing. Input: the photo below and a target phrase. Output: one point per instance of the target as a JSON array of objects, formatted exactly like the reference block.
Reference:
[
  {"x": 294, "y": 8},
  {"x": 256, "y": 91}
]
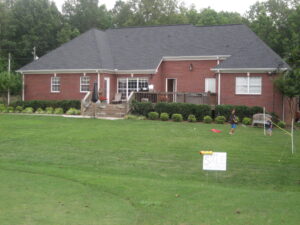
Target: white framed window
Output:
[
  {"x": 55, "y": 84},
  {"x": 248, "y": 85},
  {"x": 84, "y": 84},
  {"x": 210, "y": 85},
  {"x": 127, "y": 85}
]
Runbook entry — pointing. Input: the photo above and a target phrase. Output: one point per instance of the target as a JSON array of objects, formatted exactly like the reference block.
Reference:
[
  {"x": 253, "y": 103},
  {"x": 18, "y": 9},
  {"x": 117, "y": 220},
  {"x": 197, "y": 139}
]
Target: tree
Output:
[
  {"x": 32, "y": 23},
  {"x": 11, "y": 82},
  {"x": 86, "y": 14},
  {"x": 277, "y": 23}
]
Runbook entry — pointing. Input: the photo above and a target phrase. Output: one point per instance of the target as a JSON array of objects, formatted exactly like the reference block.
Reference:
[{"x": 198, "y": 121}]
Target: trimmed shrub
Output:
[
  {"x": 240, "y": 110},
  {"x": 35, "y": 104},
  {"x": 40, "y": 111},
  {"x": 18, "y": 109},
  {"x": 28, "y": 110},
  {"x": 297, "y": 124},
  {"x": 134, "y": 117},
  {"x": 49, "y": 110},
  {"x": 3, "y": 108},
  {"x": 164, "y": 116},
  {"x": 192, "y": 118},
  {"x": 220, "y": 119},
  {"x": 10, "y": 109},
  {"x": 153, "y": 115},
  {"x": 176, "y": 117},
  {"x": 281, "y": 124},
  {"x": 207, "y": 119},
  {"x": 141, "y": 108},
  {"x": 73, "y": 111},
  {"x": 58, "y": 111},
  {"x": 185, "y": 109},
  {"x": 247, "y": 121}
]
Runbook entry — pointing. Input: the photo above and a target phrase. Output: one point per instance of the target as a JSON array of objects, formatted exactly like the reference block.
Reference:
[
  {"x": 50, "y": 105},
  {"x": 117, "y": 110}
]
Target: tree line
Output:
[{"x": 25, "y": 24}]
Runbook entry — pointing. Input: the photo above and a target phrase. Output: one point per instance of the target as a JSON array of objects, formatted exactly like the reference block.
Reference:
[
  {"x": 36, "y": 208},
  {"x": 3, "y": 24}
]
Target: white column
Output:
[
  {"x": 98, "y": 80},
  {"x": 219, "y": 88}
]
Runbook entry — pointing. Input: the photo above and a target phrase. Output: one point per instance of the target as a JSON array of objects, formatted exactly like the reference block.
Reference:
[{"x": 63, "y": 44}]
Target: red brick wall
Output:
[
  {"x": 268, "y": 98},
  {"x": 187, "y": 81},
  {"x": 38, "y": 86}
]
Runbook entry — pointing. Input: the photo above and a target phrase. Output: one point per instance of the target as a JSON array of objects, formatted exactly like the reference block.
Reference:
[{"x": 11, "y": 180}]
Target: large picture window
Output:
[
  {"x": 248, "y": 85},
  {"x": 84, "y": 84},
  {"x": 55, "y": 84},
  {"x": 127, "y": 85}
]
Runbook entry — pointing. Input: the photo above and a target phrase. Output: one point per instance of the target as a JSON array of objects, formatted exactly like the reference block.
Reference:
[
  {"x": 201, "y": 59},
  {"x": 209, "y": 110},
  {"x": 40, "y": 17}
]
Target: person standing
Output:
[
  {"x": 269, "y": 126},
  {"x": 233, "y": 121}
]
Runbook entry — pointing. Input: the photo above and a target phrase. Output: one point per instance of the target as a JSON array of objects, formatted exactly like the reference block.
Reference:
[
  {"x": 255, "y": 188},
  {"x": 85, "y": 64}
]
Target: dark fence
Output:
[{"x": 184, "y": 97}]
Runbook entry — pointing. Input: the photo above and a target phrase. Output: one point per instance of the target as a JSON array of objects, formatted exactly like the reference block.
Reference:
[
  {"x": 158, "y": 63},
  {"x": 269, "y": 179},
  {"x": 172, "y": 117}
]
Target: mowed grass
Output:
[{"x": 65, "y": 171}]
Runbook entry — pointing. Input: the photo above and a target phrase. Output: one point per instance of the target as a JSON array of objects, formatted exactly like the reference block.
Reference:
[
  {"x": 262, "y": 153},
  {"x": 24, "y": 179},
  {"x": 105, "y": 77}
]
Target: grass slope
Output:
[{"x": 59, "y": 171}]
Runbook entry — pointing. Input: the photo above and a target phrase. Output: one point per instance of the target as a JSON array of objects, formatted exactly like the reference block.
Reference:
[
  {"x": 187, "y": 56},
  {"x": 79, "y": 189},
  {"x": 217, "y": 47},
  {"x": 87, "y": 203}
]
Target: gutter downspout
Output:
[
  {"x": 219, "y": 87},
  {"x": 23, "y": 87}
]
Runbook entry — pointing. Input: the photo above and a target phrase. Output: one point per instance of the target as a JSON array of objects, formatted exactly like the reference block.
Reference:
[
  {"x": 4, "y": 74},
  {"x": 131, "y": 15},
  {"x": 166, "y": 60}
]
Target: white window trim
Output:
[
  {"x": 137, "y": 87},
  {"x": 248, "y": 86},
  {"x": 81, "y": 91},
  {"x": 205, "y": 87},
  {"x": 52, "y": 91}
]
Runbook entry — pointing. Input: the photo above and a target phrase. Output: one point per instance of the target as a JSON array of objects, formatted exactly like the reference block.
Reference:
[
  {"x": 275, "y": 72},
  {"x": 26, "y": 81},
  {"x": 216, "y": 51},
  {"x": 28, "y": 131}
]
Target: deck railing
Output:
[{"x": 185, "y": 97}]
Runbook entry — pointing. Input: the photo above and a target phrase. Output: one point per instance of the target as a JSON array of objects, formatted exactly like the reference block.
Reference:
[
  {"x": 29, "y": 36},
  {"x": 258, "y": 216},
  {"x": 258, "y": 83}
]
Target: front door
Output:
[
  {"x": 171, "y": 87},
  {"x": 106, "y": 90}
]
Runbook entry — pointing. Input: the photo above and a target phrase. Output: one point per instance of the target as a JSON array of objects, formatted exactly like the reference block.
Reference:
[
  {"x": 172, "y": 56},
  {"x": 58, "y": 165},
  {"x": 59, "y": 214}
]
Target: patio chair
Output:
[{"x": 117, "y": 99}]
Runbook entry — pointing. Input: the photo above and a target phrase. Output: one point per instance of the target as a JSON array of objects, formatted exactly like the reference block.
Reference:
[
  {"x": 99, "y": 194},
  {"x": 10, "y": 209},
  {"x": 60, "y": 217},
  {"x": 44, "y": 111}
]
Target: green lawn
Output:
[{"x": 63, "y": 171}]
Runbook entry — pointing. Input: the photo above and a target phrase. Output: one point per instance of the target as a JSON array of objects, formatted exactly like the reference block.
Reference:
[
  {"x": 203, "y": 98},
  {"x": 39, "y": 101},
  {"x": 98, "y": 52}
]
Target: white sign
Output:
[{"x": 215, "y": 161}]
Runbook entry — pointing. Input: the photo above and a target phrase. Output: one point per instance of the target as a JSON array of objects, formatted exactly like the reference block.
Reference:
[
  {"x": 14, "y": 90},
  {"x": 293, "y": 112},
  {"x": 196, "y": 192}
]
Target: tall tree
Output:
[
  {"x": 277, "y": 23},
  {"x": 86, "y": 14},
  {"x": 33, "y": 23}
]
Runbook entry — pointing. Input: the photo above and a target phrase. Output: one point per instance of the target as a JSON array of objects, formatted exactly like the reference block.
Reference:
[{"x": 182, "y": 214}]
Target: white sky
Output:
[{"x": 240, "y": 6}]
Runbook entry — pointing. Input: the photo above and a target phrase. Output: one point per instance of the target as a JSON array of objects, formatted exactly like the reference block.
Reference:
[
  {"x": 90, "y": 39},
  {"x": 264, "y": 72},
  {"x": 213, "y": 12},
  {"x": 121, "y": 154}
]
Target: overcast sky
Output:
[{"x": 240, "y": 6}]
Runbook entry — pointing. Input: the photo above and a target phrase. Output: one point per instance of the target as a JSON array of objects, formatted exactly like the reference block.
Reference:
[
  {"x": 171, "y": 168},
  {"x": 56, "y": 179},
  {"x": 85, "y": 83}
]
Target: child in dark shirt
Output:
[{"x": 269, "y": 126}]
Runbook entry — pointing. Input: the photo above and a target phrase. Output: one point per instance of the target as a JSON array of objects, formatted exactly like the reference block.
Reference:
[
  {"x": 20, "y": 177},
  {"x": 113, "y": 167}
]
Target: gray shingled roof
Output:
[{"x": 140, "y": 48}]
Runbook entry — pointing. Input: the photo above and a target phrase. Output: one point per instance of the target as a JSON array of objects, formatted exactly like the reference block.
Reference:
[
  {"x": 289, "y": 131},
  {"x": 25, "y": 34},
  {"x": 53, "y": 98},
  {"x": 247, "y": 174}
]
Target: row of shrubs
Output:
[
  {"x": 186, "y": 109},
  {"x": 192, "y": 118},
  {"x": 36, "y": 104},
  {"x": 47, "y": 110}
]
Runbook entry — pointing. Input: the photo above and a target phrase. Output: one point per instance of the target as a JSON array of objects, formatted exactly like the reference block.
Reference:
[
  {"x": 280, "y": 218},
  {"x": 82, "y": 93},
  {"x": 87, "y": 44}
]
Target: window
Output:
[
  {"x": 84, "y": 84},
  {"x": 210, "y": 85},
  {"x": 127, "y": 85},
  {"x": 248, "y": 85},
  {"x": 55, "y": 84}
]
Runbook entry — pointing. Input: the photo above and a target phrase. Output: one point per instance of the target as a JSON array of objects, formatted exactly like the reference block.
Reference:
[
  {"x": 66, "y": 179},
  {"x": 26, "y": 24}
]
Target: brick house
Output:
[{"x": 229, "y": 60}]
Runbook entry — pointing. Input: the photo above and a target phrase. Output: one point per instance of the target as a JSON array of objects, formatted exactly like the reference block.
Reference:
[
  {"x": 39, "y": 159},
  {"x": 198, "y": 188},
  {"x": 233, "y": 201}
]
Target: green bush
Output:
[
  {"x": 35, "y": 104},
  {"x": 10, "y": 109},
  {"x": 28, "y": 110},
  {"x": 134, "y": 117},
  {"x": 192, "y": 118},
  {"x": 185, "y": 109},
  {"x": 39, "y": 111},
  {"x": 176, "y": 117},
  {"x": 73, "y": 111},
  {"x": 207, "y": 119},
  {"x": 18, "y": 109},
  {"x": 164, "y": 116},
  {"x": 247, "y": 121},
  {"x": 3, "y": 108},
  {"x": 153, "y": 115},
  {"x": 58, "y": 111},
  {"x": 220, "y": 119},
  {"x": 281, "y": 124},
  {"x": 240, "y": 110},
  {"x": 141, "y": 108},
  {"x": 49, "y": 110},
  {"x": 297, "y": 124}
]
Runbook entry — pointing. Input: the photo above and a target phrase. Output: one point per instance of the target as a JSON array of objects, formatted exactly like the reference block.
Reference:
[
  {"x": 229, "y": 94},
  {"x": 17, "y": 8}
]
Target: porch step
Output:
[{"x": 107, "y": 110}]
